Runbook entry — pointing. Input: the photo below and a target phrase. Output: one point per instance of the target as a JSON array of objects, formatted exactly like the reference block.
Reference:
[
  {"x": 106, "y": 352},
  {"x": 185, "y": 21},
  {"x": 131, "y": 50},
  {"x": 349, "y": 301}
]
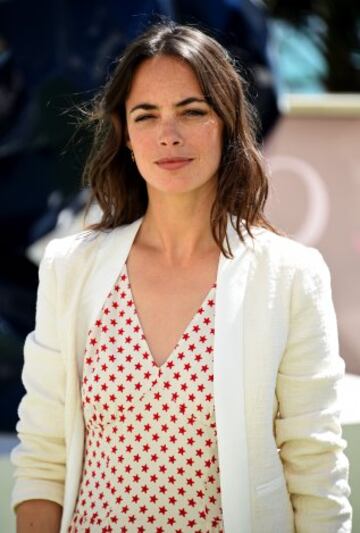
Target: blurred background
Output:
[{"x": 302, "y": 61}]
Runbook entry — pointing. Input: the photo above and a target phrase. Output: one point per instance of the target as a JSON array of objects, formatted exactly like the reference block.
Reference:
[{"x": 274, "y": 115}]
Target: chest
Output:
[{"x": 166, "y": 299}]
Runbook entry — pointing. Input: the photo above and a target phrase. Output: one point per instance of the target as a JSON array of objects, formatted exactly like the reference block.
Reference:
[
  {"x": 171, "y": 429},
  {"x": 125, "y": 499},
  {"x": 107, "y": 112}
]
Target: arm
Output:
[
  {"x": 308, "y": 431},
  {"x": 38, "y": 516},
  {"x": 39, "y": 459}
]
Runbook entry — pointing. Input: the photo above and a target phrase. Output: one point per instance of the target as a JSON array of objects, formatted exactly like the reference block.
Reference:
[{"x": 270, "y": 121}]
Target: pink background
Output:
[{"x": 315, "y": 192}]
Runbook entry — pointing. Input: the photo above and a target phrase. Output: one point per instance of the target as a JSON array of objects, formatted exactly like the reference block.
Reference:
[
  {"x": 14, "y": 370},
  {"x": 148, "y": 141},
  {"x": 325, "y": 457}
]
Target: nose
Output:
[{"x": 169, "y": 135}]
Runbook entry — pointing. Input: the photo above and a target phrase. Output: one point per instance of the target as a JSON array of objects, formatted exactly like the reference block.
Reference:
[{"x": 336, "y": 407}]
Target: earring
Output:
[{"x": 132, "y": 155}]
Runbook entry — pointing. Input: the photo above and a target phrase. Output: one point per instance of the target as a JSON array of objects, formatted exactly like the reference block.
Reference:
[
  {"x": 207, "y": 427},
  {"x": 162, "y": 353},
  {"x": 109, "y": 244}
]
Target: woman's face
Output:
[{"x": 175, "y": 135}]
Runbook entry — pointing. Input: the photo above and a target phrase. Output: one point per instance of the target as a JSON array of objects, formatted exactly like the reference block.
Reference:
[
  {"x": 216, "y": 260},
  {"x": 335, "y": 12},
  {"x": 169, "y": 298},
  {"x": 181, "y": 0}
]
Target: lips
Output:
[{"x": 173, "y": 163}]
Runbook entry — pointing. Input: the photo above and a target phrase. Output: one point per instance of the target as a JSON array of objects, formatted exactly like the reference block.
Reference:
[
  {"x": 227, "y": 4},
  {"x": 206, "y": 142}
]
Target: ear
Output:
[{"x": 127, "y": 138}]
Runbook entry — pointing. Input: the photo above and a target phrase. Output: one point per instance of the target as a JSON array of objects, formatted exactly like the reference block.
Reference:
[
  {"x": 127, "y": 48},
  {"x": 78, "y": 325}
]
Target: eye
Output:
[
  {"x": 195, "y": 112},
  {"x": 143, "y": 117}
]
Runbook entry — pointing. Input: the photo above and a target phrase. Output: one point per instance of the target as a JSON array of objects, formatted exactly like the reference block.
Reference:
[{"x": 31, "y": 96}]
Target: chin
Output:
[
  {"x": 178, "y": 188},
  {"x": 175, "y": 183}
]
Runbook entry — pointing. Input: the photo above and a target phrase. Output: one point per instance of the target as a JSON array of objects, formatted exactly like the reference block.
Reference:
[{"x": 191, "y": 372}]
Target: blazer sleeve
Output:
[
  {"x": 39, "y": 458},
  {"x": 308, "y": 430}
]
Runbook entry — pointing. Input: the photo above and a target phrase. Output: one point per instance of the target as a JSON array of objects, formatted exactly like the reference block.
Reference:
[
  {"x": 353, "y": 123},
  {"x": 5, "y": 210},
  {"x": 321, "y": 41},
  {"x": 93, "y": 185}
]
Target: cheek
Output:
[
  {"x": 213, "y": 146},
  {"x": 141, "y": 143},
  {"x": 212, "y": 135}
]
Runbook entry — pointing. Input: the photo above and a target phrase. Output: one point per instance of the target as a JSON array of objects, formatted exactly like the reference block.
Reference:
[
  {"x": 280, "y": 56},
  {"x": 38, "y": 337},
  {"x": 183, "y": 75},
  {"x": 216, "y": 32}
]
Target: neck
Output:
[{"x": 178, "y": 227}]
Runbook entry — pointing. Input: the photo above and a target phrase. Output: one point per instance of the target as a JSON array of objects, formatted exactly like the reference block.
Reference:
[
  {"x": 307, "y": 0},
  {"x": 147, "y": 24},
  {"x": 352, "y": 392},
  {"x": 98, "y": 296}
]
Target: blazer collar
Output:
[
  {"x": 113, "y": 252},
  {"x": 123, "y": 237},
  {"x": 116, "y": 247}
]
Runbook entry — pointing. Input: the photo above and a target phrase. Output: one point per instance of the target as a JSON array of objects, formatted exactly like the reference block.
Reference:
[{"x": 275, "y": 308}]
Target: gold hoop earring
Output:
[{"x": 132, "y": 155}]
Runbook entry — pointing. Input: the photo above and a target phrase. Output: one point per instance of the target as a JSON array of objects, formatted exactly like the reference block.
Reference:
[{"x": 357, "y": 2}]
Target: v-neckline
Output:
[{"x": 184, "y": 332}]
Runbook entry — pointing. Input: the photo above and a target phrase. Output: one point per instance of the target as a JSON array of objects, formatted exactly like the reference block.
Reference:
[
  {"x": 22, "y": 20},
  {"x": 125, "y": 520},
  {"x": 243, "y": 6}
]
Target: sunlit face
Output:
[{"x": 175, "y": 135}]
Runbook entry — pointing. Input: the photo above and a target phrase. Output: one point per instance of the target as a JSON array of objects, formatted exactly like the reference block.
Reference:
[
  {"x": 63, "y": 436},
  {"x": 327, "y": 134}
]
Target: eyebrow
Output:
[{"x": 186, "y": 101}]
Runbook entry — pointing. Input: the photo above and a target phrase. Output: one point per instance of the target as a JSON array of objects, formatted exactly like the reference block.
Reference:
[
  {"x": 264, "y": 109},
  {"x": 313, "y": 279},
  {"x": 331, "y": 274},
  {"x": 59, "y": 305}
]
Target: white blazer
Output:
[{"x": 276, "y": 379}]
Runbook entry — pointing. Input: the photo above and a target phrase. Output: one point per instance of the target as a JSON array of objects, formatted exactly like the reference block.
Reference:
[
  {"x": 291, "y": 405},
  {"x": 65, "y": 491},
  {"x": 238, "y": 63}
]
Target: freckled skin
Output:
[{"x": 193, "y": 130}]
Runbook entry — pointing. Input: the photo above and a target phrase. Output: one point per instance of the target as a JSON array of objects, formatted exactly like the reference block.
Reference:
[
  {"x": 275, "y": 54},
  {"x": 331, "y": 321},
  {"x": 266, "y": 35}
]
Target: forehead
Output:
[{"x": 163, "y": 76}]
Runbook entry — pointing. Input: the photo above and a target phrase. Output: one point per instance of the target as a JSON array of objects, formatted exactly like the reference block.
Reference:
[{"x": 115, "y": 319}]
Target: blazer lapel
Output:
[
  {"x": 107, "y": 266},
  {"x": 229, "y": 385}
]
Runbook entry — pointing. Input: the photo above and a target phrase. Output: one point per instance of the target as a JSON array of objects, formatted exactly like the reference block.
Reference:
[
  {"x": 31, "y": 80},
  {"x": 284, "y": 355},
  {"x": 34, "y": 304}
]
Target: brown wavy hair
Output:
[{"x": 114, "y": 181}]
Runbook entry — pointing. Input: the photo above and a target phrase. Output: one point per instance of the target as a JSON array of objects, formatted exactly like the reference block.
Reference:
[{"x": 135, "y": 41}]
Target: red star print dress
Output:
[{"x": 150, "y": 459}]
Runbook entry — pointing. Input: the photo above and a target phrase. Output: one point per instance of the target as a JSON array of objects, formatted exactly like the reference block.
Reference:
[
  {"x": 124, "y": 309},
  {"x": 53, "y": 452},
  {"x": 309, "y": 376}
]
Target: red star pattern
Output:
[{"x": 150, "y": 461}]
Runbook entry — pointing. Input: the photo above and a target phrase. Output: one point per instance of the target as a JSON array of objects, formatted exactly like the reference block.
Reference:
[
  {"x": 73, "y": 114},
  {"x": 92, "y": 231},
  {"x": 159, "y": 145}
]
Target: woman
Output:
[{"x": 184, "y": 368}]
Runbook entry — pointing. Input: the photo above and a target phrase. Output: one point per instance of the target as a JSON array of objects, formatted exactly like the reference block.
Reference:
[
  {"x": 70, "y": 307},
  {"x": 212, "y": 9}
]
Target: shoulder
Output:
[
  {"x": 82, "y": 245},
  {"x": 280, "y": 249},
  {"x": 78, "y": 254},
  {"x": 73, "y": 255},
  {"x": 297, "y": 273},
  {"x": 72, "y": 247},
  {"x": 282, "y": 253},
  {"x": 69, "y": 254}
]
